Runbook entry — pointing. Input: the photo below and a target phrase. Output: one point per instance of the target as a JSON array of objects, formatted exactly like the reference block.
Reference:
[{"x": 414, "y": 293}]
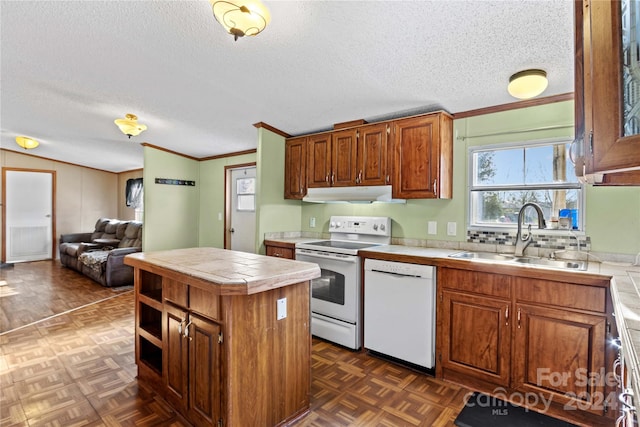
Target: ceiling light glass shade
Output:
[
  {"x": 527, "y": 84},
  {"x": 130, "y": 126},
  {"x": 26, "y": 143},
  {"x": 241, "y": 17}
]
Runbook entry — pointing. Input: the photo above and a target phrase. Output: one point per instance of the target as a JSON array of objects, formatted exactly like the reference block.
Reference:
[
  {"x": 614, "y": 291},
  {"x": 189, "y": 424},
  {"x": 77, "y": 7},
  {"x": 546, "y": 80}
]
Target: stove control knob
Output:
[
  {"x": 375, "y": 226},
  {"x": 382, "y": 227},
  {"x": 338, "y": 224},
  {"x": 332, "y": 225}
]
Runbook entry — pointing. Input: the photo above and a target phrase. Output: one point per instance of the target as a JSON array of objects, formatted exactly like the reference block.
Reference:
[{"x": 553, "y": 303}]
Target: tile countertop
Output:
[{"x": 235, "y": 273}]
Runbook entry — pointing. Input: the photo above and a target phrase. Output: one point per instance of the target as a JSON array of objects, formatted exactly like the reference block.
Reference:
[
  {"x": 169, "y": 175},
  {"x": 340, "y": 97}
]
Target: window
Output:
[{"x": 504, "y": 177}]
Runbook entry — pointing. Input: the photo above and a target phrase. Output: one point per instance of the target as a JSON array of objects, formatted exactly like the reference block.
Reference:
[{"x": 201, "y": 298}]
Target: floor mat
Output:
[{"x": 482, "y": 410}]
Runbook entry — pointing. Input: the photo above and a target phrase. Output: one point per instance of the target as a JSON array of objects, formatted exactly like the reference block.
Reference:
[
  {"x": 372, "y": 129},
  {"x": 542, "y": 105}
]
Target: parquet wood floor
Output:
[{"x": 78, "y": 368}]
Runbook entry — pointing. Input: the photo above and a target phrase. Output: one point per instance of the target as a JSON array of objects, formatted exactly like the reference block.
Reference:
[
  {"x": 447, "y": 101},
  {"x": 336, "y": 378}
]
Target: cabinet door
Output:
[
  {"x": 561, "y": 353},
  {"x": 204, "y": 374},
  {"x": 372, "y": 155},
  {"x": 343, "y": 158},
  {"x": 423, "y": 157},
  {"x": 319, "y": 160},
  {"x": 476, "y": 338},
  {"x": 610, "y": 126},
  {"x": 295, "y": 169},
  {"x": 175, "y": 350}
]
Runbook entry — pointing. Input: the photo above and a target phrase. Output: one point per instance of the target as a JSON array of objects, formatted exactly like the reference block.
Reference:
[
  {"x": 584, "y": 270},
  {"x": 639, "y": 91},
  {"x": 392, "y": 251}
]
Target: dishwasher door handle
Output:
[{"x": 390, "y": 273}]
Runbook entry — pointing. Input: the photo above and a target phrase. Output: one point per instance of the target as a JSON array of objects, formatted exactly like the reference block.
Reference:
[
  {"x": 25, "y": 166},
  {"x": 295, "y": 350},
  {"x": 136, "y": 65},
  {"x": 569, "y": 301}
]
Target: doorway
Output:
[
  {"x": 240, "y": 208},
  {"x": 28, "y": 215}
]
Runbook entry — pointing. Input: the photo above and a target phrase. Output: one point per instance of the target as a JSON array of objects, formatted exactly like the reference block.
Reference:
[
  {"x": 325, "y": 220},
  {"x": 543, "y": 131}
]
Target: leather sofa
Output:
[{"x": 100, "y": 254}]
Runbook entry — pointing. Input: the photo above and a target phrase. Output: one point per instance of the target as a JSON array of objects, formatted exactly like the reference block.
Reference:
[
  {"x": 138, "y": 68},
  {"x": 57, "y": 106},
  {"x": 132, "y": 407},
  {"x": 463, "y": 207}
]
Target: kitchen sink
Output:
[
  {"x": 510, "y": 259},
  {"x": 482, "y": 255},
  {"x": 553, "y": 263}
]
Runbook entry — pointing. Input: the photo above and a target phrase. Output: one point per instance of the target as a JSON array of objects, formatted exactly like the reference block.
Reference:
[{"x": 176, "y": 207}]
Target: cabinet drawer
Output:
[
  {"x": 174, "y": 291},
  {"x": 280, "y": 252},
  {"x": 565, "y": 295},
  {"x": 204, "y": 302},
  {"x": 476, "y": 282}
]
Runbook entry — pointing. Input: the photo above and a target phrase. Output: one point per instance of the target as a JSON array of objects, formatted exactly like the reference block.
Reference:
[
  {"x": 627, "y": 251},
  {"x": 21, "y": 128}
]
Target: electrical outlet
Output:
[
  {"x": 219, "y": 216},
  {"x": 312, "y": 222},
  {"x": 432, "y": 227},
  {"x": 281, "y": 311},
  {"x": 451, "y": 228}
]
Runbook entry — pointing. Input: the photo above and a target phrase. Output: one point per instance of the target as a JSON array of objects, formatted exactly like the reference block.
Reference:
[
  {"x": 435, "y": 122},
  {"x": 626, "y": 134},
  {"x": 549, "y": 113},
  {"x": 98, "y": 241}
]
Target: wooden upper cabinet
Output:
[
  {"x": 372, "y": 155},
  {"x": 607, "y": 121},
  {"x": 295, "y": 168},
  {"x": 423, "y": 157},
  {"x": 319, "y": 160},
  {"x": 343, "y": 158},
  {"x": 413, "y": 155}
]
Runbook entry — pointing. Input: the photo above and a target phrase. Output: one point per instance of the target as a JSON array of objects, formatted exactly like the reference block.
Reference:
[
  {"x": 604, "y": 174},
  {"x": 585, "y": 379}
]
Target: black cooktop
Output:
[{"x": 339, "y": 244}]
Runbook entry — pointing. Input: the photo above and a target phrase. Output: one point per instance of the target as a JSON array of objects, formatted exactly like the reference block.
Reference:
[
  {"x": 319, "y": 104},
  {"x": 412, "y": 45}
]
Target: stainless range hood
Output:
[{"x": 356, "y": 194}]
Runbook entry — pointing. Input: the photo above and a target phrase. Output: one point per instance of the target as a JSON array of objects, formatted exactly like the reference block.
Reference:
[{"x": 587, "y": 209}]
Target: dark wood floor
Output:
[{"x": 77, "y": 367}]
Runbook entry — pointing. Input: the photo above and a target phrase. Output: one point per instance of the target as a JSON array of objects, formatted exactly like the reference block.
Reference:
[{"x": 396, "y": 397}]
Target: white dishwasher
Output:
[{"x": 399, "y": 311}]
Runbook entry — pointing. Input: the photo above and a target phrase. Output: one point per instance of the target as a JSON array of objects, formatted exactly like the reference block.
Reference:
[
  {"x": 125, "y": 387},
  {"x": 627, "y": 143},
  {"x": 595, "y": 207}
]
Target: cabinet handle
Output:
[
  {"x": 326, "y": 178},
  {"x": 435, "y": 181},
  {"x": 519, "y": 318},
  {"x": 388, "y": 179},
  {"x": 333, "y": 178},
  {"x": 359, "y": 178},
  {"x": 506, "y": 316},
  {"x": 186, "y": 330},
  {"x": 622, "y": 398},
  {"x": 181, "y": 325},
  {"x": 617, "y": 370}
]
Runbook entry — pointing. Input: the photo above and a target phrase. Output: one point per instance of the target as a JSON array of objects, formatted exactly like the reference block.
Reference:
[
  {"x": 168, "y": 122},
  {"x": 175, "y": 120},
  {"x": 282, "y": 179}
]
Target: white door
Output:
[
  {"x": 28, "y": 223},
  {"x": 242, "y": 224}
]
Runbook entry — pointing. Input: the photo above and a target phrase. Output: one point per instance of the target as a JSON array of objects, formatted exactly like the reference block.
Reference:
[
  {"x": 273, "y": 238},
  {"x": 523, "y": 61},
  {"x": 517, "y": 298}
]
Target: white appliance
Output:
[
  {"x": 336, "y": 296},
  {"x": 399, "y": 311}
]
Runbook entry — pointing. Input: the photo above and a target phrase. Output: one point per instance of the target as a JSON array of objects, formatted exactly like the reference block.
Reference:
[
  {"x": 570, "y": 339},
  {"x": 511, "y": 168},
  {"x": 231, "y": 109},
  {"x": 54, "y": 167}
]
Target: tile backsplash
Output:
[{"x": 553, "y": 241}]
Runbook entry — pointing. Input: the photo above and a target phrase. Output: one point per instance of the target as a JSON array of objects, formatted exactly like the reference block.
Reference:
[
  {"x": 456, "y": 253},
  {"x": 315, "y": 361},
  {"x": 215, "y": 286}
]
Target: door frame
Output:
[
  {"x": 4, "y": 208},
  {"x": 227, "y": 199}
]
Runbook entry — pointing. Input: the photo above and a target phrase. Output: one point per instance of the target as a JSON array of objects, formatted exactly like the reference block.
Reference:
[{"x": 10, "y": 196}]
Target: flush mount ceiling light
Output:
[
  {"x": 241, "y": 17},
  {"x": 527, "y": 84},
  {"x": 26, "y": 142},
  {"x": 130, "y": 126}
]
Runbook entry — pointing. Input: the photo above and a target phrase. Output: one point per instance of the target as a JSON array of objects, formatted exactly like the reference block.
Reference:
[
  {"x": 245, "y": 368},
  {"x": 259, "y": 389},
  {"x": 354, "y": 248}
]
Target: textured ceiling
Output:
[{"x": 69, "y": 68}]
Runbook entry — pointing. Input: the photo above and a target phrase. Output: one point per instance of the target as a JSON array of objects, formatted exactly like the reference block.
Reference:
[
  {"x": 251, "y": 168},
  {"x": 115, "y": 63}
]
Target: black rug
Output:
[{"x": 482, "y": 410}]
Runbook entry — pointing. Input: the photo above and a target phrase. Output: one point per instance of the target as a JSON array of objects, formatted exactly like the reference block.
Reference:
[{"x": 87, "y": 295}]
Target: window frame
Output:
[{"x": 471, "y": 188}]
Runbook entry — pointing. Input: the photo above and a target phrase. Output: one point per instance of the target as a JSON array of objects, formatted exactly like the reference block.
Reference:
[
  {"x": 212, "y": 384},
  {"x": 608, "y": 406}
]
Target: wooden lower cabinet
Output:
[
  {"x": 561, "y": 353},
  {"x": 479, "y": 337},
  {"x": 192, "y": 365},
  {"x": 529, "y": 340}
]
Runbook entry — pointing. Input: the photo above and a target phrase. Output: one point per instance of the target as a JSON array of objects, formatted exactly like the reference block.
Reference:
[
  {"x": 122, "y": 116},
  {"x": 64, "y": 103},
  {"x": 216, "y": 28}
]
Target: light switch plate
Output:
[
  {"x": 281, "y": 311},
  {"x": 312, "y": 222},
  {"x": 432, "y": 227},
  {"x": 451, "y": 228}
]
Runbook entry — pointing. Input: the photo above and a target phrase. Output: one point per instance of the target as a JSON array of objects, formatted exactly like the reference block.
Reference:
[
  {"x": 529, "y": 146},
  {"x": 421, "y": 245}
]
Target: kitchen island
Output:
[{"x": 224, "y": 336}]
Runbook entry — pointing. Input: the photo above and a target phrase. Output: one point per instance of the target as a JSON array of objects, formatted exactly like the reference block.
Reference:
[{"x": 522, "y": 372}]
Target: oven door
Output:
[{"x": 336, "y": 293}]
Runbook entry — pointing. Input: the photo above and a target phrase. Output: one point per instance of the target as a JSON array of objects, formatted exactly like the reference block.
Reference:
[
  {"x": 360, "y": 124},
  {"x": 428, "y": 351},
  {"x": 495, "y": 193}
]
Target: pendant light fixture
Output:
[
  {"x": 130, "y": 126},
  {"x": 527, "y": 84},
  {"x": 26, "y": 142},
  {"x": 241, "y": 17}
]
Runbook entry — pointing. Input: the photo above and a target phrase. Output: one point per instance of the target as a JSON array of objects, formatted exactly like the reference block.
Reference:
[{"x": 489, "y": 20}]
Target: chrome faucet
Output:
[{"x": 523, "y": 241}]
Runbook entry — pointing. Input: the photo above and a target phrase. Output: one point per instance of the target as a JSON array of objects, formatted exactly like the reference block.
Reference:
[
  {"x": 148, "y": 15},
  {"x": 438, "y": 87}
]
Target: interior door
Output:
[
  {"x": 28, "y": 225},
  {"x": 241, "y": 186}
]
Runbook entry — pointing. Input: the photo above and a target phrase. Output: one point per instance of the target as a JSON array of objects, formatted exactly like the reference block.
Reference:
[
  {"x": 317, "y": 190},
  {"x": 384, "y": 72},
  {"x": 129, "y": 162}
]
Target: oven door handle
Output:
[{"x": 335, "y": 257}]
